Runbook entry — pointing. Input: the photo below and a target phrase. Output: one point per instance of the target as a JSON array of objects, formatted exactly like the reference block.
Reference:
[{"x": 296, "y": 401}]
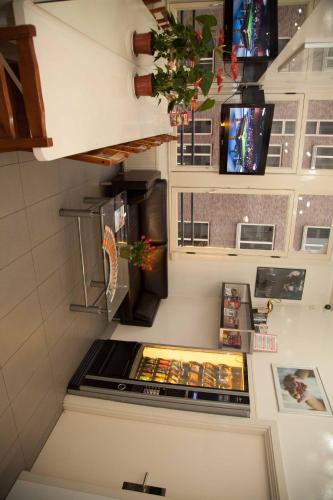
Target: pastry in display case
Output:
[
  {"x": 236, "y": 326},
  {"x": 175, "y": 377}
]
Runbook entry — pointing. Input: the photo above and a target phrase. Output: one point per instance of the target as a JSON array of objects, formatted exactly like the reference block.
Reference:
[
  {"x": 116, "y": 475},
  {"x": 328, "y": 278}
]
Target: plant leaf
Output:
[
  {"x": 207, "y": 104},
  {"x": 207, "y": 39},
  {"x": 206, "y": 81},
  {"x": 207, "y": 20},
  {"x": 171, "y": 105}
]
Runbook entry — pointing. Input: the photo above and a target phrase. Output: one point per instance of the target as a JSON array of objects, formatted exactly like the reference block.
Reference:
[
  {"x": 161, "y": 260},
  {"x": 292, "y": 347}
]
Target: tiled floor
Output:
[{"x": 41, "y": 341}]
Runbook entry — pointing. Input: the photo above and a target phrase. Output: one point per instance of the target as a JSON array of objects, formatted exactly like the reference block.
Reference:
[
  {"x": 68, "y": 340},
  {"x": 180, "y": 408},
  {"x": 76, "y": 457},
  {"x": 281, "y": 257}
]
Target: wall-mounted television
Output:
[
  {"x": 251, "y": 25},
  {"x": 245, "y": 133}
]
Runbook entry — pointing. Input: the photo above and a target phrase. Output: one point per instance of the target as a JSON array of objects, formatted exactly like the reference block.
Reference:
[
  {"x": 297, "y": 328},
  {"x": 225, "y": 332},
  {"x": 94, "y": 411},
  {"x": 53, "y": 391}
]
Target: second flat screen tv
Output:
[
  {"x": 251, "y": 26},
  {"x": 245, "y": 134}
]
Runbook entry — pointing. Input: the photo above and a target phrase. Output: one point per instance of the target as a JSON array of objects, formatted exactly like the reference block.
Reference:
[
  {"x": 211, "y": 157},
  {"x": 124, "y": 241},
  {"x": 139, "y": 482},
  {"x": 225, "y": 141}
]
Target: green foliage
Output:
[
  {"x": 207, "y": 20},
  {"x": 181, "y": 41},
  {"x": 174, "y": 86},
  {"x": 182, "y": 47},
  {"x": 207, "y": 104}
]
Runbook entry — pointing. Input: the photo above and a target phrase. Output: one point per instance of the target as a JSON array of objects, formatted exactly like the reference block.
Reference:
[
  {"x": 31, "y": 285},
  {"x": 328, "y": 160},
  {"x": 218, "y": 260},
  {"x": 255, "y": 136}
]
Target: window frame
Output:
[
  {"x": 318, "y": 122},
  {"x": 209, "y": 250},
  {"x": 304, "y": 238},
  {"x": 196, "y": 239},
  {"x": 272, "y": 97},
  {"x": 197, "y": 154},
  {"x": 239, "y": 241},
  {"x": 274, "y": 155},
  {"x": 284, "y": 121},
  {"x": 201, "y": 120},
  {"x": 315, "y": 156},
  {"x": 326, "y": 57}
]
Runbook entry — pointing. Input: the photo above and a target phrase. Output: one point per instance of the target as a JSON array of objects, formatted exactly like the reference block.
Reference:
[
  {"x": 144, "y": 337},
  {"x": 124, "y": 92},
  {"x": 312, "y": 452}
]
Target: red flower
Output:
[
  {"x": 234, "y": 62},
  {"x": 142, "y": 255},
  {"x": 197, "y": 82},
  {"x": 193, "y": 105},
  {"x": 219, "y": 76},
  {"x": 198, "y": 35},
  {"x": 234, "y": 53},
  {"x": 221, "y": 39},
  {"x": 234, "y": 71}
]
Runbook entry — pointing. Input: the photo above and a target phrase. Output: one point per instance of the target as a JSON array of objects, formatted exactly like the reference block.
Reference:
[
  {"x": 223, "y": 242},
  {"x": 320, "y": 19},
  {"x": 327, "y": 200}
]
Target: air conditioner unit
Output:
[
  {"x": 315, "y": 238},
  {"x": 255, "y": 236}
]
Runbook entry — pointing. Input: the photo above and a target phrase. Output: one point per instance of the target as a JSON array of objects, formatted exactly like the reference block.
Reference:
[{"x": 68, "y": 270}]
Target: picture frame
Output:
[
  {"x": 299, "y": 389},
  {"x": 279, "y": 283}
]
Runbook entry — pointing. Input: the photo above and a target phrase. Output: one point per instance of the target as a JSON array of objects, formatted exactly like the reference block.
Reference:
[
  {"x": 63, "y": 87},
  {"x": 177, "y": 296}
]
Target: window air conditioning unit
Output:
[
  {"x": 255, "y": 236},
  {"x": 315, "y": 238}
]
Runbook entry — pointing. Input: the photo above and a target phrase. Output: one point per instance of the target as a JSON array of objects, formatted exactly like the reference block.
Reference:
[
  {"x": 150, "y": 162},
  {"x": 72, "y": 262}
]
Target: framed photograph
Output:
[
  {"x": 299, "y": 389},
  {"x": 279, "y": 283}
]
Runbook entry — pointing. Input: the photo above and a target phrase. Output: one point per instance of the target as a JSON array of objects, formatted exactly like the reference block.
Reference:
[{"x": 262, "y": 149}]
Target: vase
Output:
[
  {"x": 143, "y": 85},
  {"x": 124, "y": 251},
  {"x": 142, "y": 43}
]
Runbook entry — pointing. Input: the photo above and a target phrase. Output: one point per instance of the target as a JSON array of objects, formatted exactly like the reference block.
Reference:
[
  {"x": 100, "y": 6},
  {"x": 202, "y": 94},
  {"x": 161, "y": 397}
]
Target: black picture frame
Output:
[
  {"x": 279, "y": 283},
  {"x": 263, "y": 137},
  {"x": 271, "y": 24}
]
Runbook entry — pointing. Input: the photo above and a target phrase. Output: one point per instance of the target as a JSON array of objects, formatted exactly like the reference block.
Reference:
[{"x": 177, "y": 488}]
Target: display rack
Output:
[{"x": 236, "y": 325}]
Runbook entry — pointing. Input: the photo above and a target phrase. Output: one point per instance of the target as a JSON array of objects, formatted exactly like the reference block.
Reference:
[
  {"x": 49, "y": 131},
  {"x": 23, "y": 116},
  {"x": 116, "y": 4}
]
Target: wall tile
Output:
[
  {"x": 27, "y": 401},
  {"x": 24, "y": 156},
  {"x": 52, "y": 253},
  {"x": 40, "y": 180},
  {"x": 8, "y": 158},
  {"x": 14, "y": 237},
  {"x": 65, "y": 357},
  {"x": 71, "y": 272},
  {"x": 51, "y": 293},
  {"x": 18, "y": 325},
  {"x": 58, "y": 321},
  {"x": 11, "y": 194},
  {"x": 42, "y": 220},
  {"x": 16, "y": 282},
  {"x": 61, "y": 201},
  {"x": 36, "y": 432},
  {"x": 4, "y": 400},
  {"x": 7, "y": 432},
  {"x": 10, "y": 468},
  {"x": 70, "y": 174},
  {"x": 20, "y": 367}
]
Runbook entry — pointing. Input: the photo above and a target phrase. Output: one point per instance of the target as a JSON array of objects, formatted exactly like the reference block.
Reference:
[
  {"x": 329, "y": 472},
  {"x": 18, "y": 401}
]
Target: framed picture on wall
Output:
[
  {"x": 279, "y": 283},
  {"x": 299, "y": 389}
]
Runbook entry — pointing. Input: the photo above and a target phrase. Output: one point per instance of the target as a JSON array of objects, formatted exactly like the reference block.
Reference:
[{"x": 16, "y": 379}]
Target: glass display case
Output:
[
  {"x": 193, "y": 379},
  {"x": 236, "y": 326}
]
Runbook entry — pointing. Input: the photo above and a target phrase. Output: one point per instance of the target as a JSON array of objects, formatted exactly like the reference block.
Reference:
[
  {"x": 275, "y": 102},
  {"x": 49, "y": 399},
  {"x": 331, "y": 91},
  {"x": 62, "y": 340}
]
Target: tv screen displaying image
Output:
[
  {"x": 245, "y": 133},
  {"x": 251, "y": 25}
]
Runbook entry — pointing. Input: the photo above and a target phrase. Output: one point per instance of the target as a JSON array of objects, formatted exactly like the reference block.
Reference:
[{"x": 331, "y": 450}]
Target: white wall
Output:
[
  {"x": 204, "y": 277},
  {"x": 304, "y": 337},
  {"x": 190, "y": 316}
]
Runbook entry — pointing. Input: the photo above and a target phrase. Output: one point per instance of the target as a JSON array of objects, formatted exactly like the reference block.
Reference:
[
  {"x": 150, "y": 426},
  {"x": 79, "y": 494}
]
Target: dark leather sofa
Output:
[{"x": 147, "y": 215}]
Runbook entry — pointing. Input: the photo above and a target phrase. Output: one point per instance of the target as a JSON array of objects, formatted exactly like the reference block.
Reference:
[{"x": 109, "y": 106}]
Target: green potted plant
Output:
[
  {"x": 141, "y": 253},
  {"x": 182, "y": 47},
  {"x": 178, "y": 85},
  {"x": 178, "y": 42}
]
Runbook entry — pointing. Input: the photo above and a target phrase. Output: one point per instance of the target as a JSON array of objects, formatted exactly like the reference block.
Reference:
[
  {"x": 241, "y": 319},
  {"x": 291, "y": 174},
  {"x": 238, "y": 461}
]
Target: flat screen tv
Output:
[
  {"x": 251, "y": 25},
  {"x": 245, "y": 133}
]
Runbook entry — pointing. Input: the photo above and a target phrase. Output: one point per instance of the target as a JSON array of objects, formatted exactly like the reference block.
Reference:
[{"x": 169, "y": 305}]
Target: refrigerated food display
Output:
[{"x": 170, "y": 376}]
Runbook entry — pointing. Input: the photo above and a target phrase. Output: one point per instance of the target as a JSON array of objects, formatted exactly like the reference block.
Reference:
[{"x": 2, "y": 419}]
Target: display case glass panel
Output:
[
  {"x": 236, "y": 328},
  {"x": 217, "y": 370}
]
